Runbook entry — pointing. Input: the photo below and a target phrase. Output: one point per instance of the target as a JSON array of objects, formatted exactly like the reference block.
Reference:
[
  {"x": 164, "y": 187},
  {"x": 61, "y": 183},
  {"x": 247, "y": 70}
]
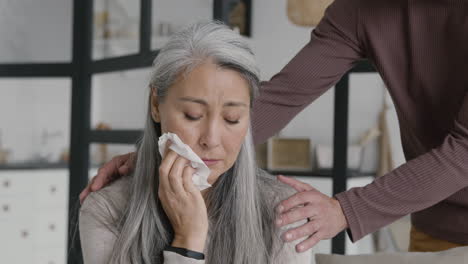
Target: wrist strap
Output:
[{"x": 185, "y": 252}]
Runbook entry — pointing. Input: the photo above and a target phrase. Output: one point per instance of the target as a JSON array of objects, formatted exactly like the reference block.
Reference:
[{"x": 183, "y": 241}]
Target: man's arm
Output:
[
  {"x": 334, "y": 48},
  {"x": 416, "y": 185},
  {"x": 96, "y": 235}
]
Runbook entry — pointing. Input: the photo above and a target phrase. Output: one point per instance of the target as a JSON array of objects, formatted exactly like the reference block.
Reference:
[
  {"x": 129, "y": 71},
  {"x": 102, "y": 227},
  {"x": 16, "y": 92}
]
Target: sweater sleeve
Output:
[
  {"x": 289, "y": 251},
  {"x": 333, "y": 50},
  {"x": 98, "y": 236},
  {"x": 416, "y": 185}
]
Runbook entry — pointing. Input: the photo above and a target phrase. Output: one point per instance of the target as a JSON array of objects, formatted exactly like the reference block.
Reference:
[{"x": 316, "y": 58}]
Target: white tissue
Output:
[{"x": 200, "y": 177}]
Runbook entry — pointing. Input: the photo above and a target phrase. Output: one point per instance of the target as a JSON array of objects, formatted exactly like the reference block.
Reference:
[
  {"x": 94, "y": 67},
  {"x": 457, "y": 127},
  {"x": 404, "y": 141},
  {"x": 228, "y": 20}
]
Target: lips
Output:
[{"x": 210, "y": 162}]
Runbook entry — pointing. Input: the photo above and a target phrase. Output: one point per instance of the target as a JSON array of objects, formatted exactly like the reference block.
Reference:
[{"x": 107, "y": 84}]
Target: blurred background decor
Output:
[
  {"x": 306, "y": 13},
  {"x": 236, "y": 14},
  {"x": 289, "y": 154},
  {"x": 4, "y": 153},
  {"x": 102, "y": 155}
]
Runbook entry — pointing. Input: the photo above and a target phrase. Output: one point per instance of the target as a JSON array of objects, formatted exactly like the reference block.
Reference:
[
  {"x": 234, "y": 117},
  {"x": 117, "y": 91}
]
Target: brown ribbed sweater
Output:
[{"x": 420, "y": 48}]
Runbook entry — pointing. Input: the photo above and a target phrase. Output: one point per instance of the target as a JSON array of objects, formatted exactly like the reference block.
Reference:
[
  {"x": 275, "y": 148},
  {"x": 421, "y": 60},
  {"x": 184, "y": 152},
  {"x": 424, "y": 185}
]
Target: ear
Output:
[{"x": 154, "y": 105}]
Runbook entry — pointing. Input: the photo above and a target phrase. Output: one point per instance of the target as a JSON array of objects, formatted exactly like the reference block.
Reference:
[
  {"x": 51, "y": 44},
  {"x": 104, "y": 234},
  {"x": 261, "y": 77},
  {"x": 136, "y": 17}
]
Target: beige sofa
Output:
[{"x": 451, "y": 256}]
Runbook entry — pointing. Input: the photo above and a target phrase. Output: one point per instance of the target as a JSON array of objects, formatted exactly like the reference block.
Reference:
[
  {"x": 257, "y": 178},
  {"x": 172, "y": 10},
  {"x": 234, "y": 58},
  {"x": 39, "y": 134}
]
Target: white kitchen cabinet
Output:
[
  {"x": 34, "y": 216},
  {"x": 15, "y": 183},
  {"x": 49, "y": 255},
  {"x": 15, "y": 207},
  {"x": 51, "y": 228},
  {"x": 16, "y": 241},
  {"x": 51, "y": 189}
]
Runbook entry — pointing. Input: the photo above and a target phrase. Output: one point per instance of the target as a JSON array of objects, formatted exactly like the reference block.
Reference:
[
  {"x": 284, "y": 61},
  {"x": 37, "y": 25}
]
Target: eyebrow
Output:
[{"x": 203, "y": 102}]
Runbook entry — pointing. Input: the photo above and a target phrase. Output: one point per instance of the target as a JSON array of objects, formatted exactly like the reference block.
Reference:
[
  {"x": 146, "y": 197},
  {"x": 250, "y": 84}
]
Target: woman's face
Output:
[{"x": 209, "y": 109}]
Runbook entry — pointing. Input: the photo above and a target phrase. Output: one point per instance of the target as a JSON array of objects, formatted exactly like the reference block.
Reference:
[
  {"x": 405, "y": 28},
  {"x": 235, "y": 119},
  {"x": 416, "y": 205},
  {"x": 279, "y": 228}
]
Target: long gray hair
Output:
[{"x": 240, "y": 213}]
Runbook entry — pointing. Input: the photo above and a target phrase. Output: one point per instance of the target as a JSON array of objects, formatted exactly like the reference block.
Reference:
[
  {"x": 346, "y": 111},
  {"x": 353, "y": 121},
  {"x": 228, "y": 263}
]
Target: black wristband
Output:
[{"x": 185, "y": 252}]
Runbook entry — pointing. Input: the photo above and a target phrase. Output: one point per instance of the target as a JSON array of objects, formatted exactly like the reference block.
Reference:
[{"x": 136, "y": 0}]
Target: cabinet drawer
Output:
[
  {"x": 51, "y": 189},
  {"x": 50, "y": 228},
  {"x": 16, "y": 207},
  {"x": 16, "y": 241},
  {"x": 15, "y": 183},
  {"x": 50, "y": 255}
]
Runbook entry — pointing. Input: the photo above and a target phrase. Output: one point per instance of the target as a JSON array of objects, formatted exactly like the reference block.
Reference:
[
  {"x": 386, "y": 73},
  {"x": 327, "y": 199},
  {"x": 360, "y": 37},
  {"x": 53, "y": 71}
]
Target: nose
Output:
[{"x": 210, "y": 136}]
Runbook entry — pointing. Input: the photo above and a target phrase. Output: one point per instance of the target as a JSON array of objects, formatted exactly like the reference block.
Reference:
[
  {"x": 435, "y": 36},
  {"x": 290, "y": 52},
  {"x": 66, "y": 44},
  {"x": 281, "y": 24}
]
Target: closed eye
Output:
[
  {"x": 192, "y": 118},
  {"x": 232, "y": 122}
]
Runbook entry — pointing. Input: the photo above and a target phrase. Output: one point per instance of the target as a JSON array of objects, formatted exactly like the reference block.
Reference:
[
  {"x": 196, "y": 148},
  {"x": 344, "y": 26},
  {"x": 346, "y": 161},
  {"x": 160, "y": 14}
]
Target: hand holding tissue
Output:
[{"x": 200, "y": 177}]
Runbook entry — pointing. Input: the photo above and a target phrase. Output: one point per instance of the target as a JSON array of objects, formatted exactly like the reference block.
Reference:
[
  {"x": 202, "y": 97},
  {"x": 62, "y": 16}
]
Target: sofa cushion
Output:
[{"x": 453, "y": 256}]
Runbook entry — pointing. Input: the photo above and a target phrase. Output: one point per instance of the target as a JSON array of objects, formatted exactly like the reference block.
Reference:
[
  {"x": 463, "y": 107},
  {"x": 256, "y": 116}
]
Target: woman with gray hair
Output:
[{"x": 202, "y": 88}]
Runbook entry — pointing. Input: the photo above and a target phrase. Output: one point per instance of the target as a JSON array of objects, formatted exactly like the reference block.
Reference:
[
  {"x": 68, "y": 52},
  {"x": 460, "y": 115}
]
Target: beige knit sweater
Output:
[{"x": 98, "y": 233}]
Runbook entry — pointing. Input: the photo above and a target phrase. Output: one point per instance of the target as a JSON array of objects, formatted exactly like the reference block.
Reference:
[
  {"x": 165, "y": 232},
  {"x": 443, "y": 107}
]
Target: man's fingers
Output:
[
  {"x": 124, "y": 170},
  {"x": 125, "y": 163},
  {"x": 84, "y": 194},
  {"x": 98, "y": 181},
  {"x": 298, "y": 185},
  {"x": 309, "y": 243},
  {"x": 130, "y": 159},
  {"x": 119, "y": 165},
  {"x": 305, "y": 230},
  {"x": 106, "y": 173},
  {"x": 295, "y": 215},
  {"x": 296, "y": 200}
]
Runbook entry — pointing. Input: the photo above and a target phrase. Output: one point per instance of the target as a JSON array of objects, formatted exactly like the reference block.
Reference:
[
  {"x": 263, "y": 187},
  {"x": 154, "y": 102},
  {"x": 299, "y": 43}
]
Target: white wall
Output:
[{"x": 35, "y": 31}]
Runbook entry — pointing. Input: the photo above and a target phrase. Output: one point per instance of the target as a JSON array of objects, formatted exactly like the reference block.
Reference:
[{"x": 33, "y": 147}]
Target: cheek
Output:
[
  {"x": 181, "y": 128},
  {"x": 170, "y": 122},
  {"x": 234, "y": 144}
]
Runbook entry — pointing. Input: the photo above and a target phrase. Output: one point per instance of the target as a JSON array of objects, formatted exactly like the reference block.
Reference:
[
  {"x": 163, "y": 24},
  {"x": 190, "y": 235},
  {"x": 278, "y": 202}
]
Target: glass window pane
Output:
[
  {"x": 35, "y": 116},
  {"x": 35, "y": 31},
  {"x": 116, "y": 28},
  {"x": 119, "y": 100},
  {"x": 167, "y": 17}
]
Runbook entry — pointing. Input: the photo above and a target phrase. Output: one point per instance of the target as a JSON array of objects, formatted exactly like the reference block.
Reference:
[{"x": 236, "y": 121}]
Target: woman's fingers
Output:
[
  {"x": 175, "y": 176},
  {"x": 187, "y": 179},
  {"x": 165, "y": 169}
]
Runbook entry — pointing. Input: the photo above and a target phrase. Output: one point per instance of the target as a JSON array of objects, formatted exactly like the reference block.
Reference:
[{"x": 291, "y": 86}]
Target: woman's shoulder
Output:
[
  {"x": 273, "y": 189},
  {"x": 109, "y": 203}
]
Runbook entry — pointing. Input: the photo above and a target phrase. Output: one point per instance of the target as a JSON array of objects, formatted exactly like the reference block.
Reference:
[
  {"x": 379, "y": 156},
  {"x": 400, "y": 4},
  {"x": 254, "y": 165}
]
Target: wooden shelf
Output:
[{"x": 322, "y": 173}]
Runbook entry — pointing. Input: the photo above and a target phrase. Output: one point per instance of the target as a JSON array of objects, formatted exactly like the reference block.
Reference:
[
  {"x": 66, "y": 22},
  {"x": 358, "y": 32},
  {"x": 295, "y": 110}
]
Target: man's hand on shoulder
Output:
[
  {"x": 324, "y": 215},
  {"x": 112, "y": 170}
]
